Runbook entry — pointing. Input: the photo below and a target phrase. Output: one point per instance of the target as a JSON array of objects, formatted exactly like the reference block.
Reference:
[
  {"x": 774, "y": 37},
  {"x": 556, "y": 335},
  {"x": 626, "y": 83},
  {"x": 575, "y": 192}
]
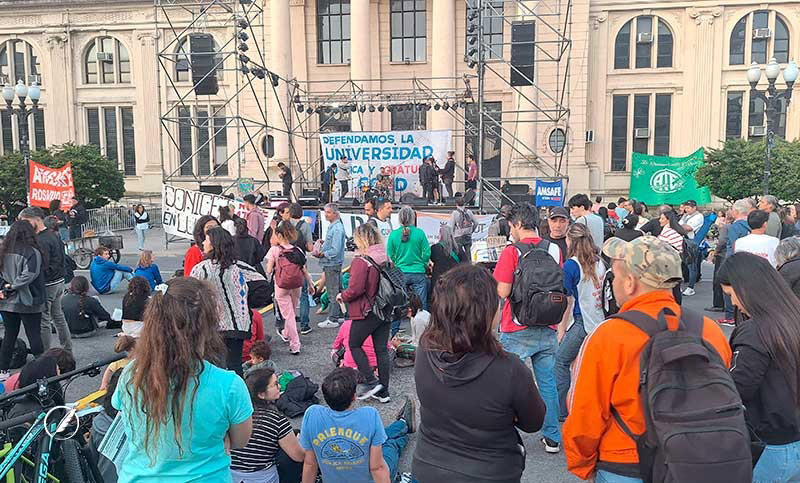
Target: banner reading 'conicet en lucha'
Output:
[{"x": 47, "y": 184}]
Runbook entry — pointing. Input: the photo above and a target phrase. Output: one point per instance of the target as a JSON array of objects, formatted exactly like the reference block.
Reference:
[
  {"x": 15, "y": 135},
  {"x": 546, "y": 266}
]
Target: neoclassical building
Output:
[{"x": 661, "y": 77}]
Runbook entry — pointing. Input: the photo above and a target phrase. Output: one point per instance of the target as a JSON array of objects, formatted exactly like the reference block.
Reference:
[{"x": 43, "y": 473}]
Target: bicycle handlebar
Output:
[
  {"x": 67, "y": 375},
  {"x": 27, "y": 417}
]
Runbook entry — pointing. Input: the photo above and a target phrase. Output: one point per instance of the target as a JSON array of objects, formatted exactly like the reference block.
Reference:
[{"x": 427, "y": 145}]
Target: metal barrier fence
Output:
[{"x": 117, "y": 218}]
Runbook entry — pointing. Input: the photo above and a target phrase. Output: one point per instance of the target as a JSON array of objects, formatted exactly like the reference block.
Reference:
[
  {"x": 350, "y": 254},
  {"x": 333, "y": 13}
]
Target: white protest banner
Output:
[
  {"x": 181, "y": 209},
  {"x": 401, "y": 152},
  {"x": 351, "y": 221}
]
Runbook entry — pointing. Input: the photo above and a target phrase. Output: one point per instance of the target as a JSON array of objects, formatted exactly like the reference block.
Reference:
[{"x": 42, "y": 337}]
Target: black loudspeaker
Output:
[
  {"x": 214, "y": 189},
  {"x": 522, "y": 45},
  {"x": 469, "y": 196},
  {"x": 204, "y": 72},
  {"x": 413, "y": 200},
  {"x": 348, "y": 202}
]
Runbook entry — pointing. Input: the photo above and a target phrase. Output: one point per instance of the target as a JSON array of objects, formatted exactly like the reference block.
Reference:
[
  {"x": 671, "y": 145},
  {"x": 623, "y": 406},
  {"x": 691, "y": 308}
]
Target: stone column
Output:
[
  {"x": 146, "y": 111},
  {"x": 443, "y": 57},
  {"x": 704, "y": 62},
  {"x": 360, "y": 55},
  {"x": 59, "y": 124},
  {"x": 281, "y": 63}
]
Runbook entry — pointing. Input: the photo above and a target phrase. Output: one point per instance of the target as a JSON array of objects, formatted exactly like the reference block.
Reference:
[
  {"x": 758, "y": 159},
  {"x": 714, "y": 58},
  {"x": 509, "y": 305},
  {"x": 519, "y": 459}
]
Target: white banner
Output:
[
  {"x": 181, "y": 208},
  {"x": 401, "y": 152}
]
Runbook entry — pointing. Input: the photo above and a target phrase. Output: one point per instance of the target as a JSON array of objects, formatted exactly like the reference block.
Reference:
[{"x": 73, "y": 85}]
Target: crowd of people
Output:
[{"x": 576, "y": 331}]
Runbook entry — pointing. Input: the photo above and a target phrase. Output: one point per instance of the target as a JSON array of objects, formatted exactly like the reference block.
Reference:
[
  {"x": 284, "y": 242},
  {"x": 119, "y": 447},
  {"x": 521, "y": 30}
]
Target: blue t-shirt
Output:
[
  {"x": 221, "y": 401},
  {"x": 572, "y": 276},
  {"x": 341, "y": 440}
]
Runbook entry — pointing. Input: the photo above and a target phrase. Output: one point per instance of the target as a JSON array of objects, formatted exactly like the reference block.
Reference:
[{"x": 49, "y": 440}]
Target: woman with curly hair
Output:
[
  {"x": 194, "y": 254},
  {"x": 181, "y": 411}
]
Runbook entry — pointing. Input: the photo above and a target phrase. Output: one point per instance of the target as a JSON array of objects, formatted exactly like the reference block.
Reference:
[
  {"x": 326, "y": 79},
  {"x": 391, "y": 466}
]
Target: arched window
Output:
[
  {"x": 768, "y": 37},
  {"x": 107, "y": 62},
  {"x": 18, "y": 61},
  {"x": 643, "y": 38},
  {"x": 183, "y": 60}
]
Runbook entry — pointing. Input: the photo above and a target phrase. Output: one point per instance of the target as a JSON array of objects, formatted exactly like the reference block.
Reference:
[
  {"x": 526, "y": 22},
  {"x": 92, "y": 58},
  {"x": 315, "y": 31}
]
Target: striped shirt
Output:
[
  {"x": 269, "y": 426},
  {"x": 672, "y": 237}
]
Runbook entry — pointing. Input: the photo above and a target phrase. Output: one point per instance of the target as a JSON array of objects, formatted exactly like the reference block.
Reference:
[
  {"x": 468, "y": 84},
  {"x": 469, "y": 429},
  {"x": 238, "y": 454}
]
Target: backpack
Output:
[
  {"x": 464, "y": 228},
  {"x": 694, "y": 417},
  {"x": 301, "y": 241},
  {"x": 391, "y": 299},
  {"x": 537, "y": 294},
  {"x": 610, "y": 306},
  {"x": 289, "y": 268}
]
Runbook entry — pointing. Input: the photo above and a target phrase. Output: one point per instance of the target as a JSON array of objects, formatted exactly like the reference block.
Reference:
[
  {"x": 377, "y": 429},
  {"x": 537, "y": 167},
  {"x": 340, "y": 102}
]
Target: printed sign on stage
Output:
[
  {"x": 549, "y": 193},
  {"x": 181, "y": 209},
  {"x": 47, "y": 184},
  {"x": 401, "y": 152}
]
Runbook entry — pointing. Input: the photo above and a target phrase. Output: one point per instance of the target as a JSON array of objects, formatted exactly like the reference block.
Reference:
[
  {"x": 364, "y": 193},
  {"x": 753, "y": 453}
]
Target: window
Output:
[
  {"x": 408, "y": 30},
  {"x": 11, "y": 126},
  {"x": 334, "y": 122},
  {"x": 492, "y": 23},
  {"x": 756, "y": 120},
  {"x": 183, "y": 61},
  {"x": 333, "y": 31},
  {"x": 405, "y": 117},
  {"x": 111, "y": 129},
  {"x": 768, "y": 37},
  {"x": 733, "y": 119},
  {"x": 652, "y": 36},
  {"x": 492, "y": 141},
  {"x": 107, "y": 62},
  {"x": 557, "y": 140},
  {"x": 18, "y": 61},
  {"x": 645, "y": 128},
  {"x": 202, "y": 141}
]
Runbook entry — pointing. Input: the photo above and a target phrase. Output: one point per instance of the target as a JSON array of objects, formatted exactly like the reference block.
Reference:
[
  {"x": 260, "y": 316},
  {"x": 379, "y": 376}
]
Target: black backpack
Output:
[
  {"x": 301, "y": 241},
  {"x": 537, "y": 294},
  {"x": 391, "y": 300},
  {"x": 694, "y": 417}
]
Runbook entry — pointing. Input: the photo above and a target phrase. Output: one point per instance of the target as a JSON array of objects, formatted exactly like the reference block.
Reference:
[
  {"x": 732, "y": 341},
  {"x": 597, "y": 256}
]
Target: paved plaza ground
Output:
[{"x": 314, "y": 360}]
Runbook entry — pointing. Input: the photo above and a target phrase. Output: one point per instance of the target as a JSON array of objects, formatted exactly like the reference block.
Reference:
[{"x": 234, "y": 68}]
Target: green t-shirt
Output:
[
  {"x": 222, "y": 400},
  {"x": 411, "y": 256}
]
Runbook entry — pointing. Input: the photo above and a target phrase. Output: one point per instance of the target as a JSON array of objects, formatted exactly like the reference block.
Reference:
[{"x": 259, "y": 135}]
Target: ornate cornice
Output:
[{"x": 704, "y": 15}]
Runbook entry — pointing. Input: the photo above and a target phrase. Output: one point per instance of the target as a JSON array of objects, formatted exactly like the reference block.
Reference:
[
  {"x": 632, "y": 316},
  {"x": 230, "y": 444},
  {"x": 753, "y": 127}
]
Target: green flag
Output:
[{"x": 657, "y": 180}]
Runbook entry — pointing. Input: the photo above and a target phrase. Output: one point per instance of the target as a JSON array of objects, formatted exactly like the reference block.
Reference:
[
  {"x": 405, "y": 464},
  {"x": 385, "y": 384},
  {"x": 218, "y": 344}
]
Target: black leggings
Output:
[
  {"x": 11, "y": 321},
  {"x": 379, "y": 330},
  {"x": 233, "y": 359}
]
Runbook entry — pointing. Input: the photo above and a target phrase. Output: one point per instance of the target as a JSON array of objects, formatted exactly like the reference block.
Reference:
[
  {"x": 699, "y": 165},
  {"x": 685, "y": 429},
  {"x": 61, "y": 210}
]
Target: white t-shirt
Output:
[
  {"x": 695, "y": 220},
  {"x": 758, "y": 244},
  {"x": 418, "y": 324},
  {"x": 384, "y": 227}
]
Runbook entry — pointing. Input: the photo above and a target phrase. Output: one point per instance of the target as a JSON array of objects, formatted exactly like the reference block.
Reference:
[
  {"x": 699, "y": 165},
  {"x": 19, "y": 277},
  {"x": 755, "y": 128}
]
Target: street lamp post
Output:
[
  {"x": 772, "y": 98},
  {"x": 23, "y": 111}
]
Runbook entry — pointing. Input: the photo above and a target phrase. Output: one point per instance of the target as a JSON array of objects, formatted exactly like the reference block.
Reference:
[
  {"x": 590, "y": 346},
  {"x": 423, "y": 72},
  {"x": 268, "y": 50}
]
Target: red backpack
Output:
[{"x": 289, "y": 268}]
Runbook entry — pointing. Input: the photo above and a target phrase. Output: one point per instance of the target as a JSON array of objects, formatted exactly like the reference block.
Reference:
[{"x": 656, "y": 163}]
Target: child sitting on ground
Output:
[
  {"x": 260, "y": 354},
  {"x": 125, "y": 343},
  {"x": 419, "y": 317}
]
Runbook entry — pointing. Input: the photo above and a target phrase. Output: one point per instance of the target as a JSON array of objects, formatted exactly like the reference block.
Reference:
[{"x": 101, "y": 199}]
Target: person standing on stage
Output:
[
  {"x": 343, "y": 175},
  {"x": 448, "y": 173},
  {"x": 286, "y": 179}
]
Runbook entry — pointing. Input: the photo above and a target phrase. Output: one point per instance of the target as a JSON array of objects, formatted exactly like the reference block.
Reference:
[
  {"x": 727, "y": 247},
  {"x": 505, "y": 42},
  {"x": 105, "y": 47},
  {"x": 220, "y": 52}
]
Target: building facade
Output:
[{"x": 661, "y": 77}]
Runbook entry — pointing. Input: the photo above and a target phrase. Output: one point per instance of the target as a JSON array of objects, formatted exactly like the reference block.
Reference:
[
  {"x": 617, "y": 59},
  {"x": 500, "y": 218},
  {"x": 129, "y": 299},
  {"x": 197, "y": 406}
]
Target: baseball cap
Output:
[
  {"x": 653, "y": 261},
  {"x": 559, "y": 211}
]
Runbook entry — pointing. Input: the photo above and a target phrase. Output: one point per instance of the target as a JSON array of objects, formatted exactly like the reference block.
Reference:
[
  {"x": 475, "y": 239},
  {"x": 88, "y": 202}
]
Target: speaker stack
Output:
[
  {"x": 204, "y": 72},
  {"x": 522, "y": 45}
]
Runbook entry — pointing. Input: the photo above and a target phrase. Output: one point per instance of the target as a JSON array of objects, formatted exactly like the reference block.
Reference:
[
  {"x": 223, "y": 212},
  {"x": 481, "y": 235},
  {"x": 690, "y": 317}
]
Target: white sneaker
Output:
[
  {"x": 280, "y": 334},
  {"x": 328, "y": 324},
  {"x": 689, "y": 292}
]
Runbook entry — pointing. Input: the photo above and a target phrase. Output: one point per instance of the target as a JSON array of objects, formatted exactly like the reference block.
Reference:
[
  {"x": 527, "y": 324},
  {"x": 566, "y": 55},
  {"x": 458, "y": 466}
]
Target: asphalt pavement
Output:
[{"x": 314, "y": 360}]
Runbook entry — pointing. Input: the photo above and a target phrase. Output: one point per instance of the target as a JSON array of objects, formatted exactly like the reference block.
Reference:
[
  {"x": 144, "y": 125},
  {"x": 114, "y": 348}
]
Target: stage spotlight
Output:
[
  {"x": 390, "y": 108},
  {"x": 353, "y": 108},
  {"x": 380, "y": 108},
  {"x": 243, "y": 47},
  {"x": 244, "y": 59},
  {"x": 243, "y": 36},
  {"x": 437, "y": 106},
  {"x": 371, "y": 108},
  {"x": 472, "y": 52},
  {"x": 242, "y": 23},
  {"x": 472, "y": 63},
  {"x": 297, "y": 98},
  {"x": 325, "y": 109},
  {"x": 259, "y": 72},
  {"x": 473, "y": 14},
  {"x": 399, "y": 108},
  {"x": 471, "y": 28},
  {"x": 310, "y": 110},
  {"x": 362, "y": 108},
  {"x": 445, "y": 105},
  {"x": 245, "y": 70},
  {"x": 427, "y": 107},
  {"x": 472, "y": 40},
  {"x": 275, "y": 79},
  {"x": 300, "y": 108}
]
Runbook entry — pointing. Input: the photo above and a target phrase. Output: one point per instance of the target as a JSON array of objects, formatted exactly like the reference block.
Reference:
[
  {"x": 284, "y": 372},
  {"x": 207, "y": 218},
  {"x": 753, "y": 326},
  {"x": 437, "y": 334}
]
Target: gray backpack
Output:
[{"x": 694, "y": 417}]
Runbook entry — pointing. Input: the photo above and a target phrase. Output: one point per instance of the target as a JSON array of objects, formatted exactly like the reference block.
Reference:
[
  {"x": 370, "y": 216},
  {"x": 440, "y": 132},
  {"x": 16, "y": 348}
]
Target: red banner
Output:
[{"x": 49, "y": 184}]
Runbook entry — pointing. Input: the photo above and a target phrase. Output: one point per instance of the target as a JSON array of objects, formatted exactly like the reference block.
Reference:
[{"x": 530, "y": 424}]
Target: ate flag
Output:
[
  {"x": 47, "y": 184},
  {"x": 657, "y": 180}
]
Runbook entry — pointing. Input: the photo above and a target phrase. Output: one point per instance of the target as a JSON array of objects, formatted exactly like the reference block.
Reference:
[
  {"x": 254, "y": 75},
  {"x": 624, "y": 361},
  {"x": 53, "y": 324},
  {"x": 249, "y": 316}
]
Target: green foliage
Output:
[
  {"x": 98, "y": 180},
  {"x": 736, "y": 170}
]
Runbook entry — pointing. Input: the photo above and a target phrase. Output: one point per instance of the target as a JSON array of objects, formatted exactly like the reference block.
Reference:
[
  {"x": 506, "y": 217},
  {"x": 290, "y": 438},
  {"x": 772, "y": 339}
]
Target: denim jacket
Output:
[
  {"x": 333, "y": 248},
  {"x": 736, "y": 230}
]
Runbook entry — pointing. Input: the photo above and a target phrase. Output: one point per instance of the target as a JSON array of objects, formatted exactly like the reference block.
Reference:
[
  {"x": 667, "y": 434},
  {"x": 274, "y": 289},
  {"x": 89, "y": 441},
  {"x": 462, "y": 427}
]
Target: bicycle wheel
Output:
[
  {"x": 115, "y": 255},
  {"x": 82, "y": 258},
  {"x": 76, "y": 468}
]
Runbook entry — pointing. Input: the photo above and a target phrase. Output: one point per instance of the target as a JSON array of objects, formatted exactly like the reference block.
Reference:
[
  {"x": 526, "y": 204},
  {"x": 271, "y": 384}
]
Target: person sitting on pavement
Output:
[
  {"x": 607, "y": 371},
  {"x": 65, "y": 362},
  {"x": 350, "y": 444},
  {"x": 342, "y": 356},
  {"x": 260, "y": 354},
  {"x": 125, "y": 343},
  {"x": 82, "y": 311},
  {"x": 148, "y": 269},
  {"x": 134, "y": 302},
  {"x": 105, "y": 274}
]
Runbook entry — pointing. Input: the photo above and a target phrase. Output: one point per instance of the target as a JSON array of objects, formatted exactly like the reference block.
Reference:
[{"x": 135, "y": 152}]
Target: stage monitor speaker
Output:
[
  {"x": 308, "y": 200},
  {"x": 348, "y": 202},
  {"x": 413, "y": 200},
  {"x": 214, "y": 189},
  {"x": 204, "y": 72},
  {"x": 522, "y": 46}
]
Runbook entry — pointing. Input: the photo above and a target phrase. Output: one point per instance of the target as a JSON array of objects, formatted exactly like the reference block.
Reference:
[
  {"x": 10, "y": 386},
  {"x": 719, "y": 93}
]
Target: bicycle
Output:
[{"x": 54, "y": 428}]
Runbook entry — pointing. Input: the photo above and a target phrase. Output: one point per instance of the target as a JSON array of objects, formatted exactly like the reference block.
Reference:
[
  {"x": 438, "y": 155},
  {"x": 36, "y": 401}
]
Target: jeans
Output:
[
  {"x": 728, "y": 306},
  {"x": 717, "y": 288},
  {"x": 379, "y": 330},
  {"x": 117, "y": 279},
  {"x": 693, "y": 271},
  {"x": 333, "y": 284},
  {"x": 396, "y": 440},
  {"x": 140, "y": 235},
  {"x": 303, "y": 307},
  {"x": 287, "y": 301},
  {"x": 778, "y": 463},
  {"x": 419, "y": 284},
  {"x": 566, "y": 353},
  {"x": 539, "y": 344},
  {"x": 345, "y": 187},
  {"x": 11, "y": 321},
  {"x": 53, "y": 315},
  {"x": 602, "y": 476},
  {"x": 269, "y": 475},
  {"x": 233, "y": 356}
]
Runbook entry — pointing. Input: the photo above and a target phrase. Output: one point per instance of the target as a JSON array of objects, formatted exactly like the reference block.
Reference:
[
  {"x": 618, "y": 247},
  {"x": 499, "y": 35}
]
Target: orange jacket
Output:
[{"x": 606, "y": 373}]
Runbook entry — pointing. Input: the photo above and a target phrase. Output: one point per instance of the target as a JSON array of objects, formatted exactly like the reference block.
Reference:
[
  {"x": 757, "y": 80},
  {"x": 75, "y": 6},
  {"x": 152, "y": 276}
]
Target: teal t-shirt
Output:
[
  {"x": 411, "y": 256},
  {"x": 221, "y": 401}
]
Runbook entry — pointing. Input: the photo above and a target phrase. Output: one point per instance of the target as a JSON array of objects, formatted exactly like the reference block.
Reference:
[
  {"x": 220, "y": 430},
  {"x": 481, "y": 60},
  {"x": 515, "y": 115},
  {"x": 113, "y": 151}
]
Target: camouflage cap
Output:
[{"x": 653, "y": 261}]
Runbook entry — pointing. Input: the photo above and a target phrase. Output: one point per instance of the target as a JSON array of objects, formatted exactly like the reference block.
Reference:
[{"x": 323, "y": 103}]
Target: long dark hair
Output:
[
  {"x": 199, "y": 234},
  {"x": 20, "y": 235},
  {"x": 223, "y": 250},
  {"x": 80, "y": 287},
  {"x": 772, "y": 307},
  {"x": 464, "y": 306},
  {"x": 257, "y": 382},
  {"x": 673, "y": 222},
  {"x": 138, "y": 287}
]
